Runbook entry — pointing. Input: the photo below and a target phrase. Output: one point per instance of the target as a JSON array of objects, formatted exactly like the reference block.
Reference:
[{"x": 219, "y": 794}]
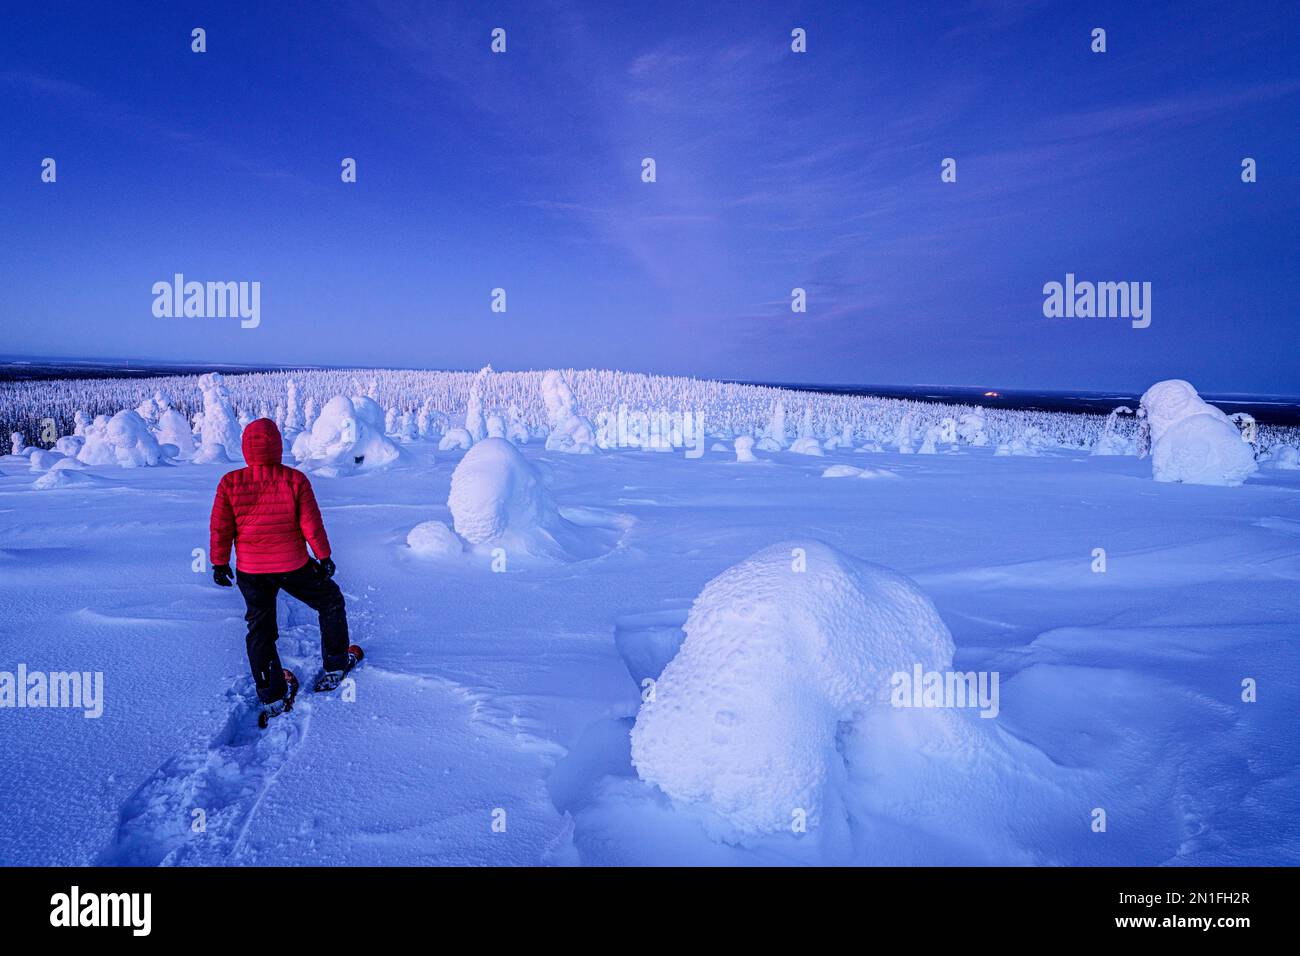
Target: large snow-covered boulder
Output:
[
  {"x": 1202, "y": 450},
  {"x": 494, "y": 489},
  {"x": 779, "y": 649},
  {"x": 500, "y": 504},
  {"x": 345, "y": 439},
  {"x": 123, "y": 440},
  {"x": 1191, "y": 440},
  {"x": 1166, "y": 403}
]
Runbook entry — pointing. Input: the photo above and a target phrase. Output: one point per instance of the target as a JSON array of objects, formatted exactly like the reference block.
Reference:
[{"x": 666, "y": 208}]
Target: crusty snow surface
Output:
[{"x": 502, "y": 698}]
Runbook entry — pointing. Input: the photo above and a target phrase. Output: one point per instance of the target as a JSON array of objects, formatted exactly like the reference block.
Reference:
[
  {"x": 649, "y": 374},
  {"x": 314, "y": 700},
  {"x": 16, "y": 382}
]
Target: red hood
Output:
[{"x": 261, "y": 443}]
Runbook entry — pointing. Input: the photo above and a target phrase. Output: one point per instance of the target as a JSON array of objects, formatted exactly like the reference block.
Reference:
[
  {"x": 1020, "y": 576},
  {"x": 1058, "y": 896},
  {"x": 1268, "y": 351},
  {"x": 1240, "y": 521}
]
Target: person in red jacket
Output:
[{"x": 269, "y": 513}]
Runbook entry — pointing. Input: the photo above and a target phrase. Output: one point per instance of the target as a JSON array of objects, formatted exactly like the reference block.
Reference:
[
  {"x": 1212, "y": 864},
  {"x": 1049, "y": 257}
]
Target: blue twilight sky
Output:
[{"x": 775, "y": 170}]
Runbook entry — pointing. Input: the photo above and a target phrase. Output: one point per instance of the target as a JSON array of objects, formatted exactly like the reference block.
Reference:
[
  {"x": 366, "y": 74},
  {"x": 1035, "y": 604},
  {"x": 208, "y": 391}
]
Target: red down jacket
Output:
[{"x": 267, "y": 510}]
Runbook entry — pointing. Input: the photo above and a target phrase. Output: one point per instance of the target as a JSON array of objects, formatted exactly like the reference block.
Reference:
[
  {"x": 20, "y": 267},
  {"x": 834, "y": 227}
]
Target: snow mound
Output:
[
  {"x": 123, "y": 440},
  {"x": 433, "y": 539},
  {"x": 1286, "y": 457},
  {"x": 807, "y": 446},
  {"x": 456, "y": 438},
  {"x": 500, "y": 501},
  {"x": 70, "y": 445},
  {"x": 1202, "y": 450},
  {"x": 345, "y": 439},
  {"x": 1191, "y": 440},
  {"x": 42, "y": 460},
  {"x": 848, "y": 471},
  {"x": 1167, "y": 403},
  {"x": 744, "y": 446},
  {"x": 211, "y": 454},
  {"x": 66, "y": 474},
  {"x": 841, "y": 471},
  {"x": 779, "y": 649},
  {"x": 494, "y": 490}
]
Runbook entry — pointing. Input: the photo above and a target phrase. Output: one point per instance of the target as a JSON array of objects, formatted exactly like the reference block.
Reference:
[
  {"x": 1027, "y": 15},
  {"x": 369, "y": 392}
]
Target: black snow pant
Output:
[{"x": 310, "y": 587}]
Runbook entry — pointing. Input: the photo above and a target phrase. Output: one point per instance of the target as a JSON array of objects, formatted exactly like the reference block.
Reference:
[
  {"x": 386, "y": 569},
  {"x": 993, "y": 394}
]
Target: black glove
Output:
[
  {"x": 222, "y": 574},
  {"x": 326, "y": 567}
]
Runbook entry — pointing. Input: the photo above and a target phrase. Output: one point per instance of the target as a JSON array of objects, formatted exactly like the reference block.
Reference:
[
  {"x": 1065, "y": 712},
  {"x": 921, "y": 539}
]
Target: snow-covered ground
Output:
[{"x": 493, "y": 715}]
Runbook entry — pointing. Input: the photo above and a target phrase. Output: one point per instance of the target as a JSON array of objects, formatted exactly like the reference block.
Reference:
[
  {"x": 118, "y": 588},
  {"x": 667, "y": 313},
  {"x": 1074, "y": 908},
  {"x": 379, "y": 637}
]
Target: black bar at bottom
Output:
[{"x": 264, "y": 907}]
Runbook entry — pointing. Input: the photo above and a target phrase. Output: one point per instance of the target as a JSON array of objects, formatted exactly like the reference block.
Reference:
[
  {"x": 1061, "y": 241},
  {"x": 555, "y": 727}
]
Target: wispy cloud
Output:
[{"x": 110, "y": 112}]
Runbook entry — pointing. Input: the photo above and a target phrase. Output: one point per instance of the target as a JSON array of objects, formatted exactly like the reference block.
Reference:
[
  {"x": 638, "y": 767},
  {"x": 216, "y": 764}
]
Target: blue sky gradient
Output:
[{"x": 775, "y": 170}]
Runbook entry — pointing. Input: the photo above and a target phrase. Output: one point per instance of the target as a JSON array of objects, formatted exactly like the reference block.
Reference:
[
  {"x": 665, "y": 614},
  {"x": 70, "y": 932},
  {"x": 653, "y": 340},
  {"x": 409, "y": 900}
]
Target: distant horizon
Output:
[{"x": 248, "y": 367}]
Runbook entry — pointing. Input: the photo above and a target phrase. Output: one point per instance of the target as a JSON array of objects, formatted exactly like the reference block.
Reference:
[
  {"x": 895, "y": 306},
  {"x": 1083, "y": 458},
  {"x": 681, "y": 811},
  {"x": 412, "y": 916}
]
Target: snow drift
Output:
[{"x": 778, "y": 650}]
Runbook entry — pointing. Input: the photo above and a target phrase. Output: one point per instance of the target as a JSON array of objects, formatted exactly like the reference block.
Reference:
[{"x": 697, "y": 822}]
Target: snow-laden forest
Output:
[
  {"x": 614, "y": 618},
  {"x": 433, "y": 401}
]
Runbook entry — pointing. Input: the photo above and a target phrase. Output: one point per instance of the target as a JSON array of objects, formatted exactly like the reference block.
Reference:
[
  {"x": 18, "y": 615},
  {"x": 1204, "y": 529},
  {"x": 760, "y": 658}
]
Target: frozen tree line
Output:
[{"x": 424, "y": 404}]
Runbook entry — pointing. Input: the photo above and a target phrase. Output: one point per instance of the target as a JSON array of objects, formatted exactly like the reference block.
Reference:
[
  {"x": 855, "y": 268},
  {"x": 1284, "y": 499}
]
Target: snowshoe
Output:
[
  {"x": 328, "y": 680},
  {"x": 281, "y": 706}
]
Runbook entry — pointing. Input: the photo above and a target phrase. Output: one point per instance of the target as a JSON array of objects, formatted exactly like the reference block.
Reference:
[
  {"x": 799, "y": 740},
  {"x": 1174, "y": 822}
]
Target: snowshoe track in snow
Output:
[{"x": 197, "y": 807}]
